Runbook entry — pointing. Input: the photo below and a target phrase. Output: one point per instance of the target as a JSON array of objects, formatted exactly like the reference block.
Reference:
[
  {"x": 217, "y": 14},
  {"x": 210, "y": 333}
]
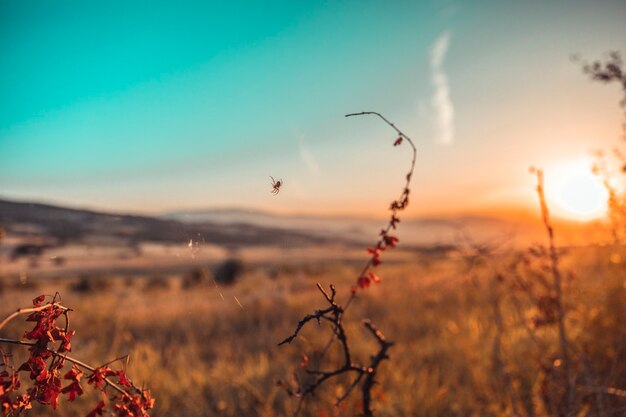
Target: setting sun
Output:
[{"x": 575, "y": 191}]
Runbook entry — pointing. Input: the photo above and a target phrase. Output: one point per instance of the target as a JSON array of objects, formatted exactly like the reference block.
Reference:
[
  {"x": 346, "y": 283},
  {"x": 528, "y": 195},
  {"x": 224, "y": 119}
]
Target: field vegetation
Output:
[{"x": 457, "y": 335}]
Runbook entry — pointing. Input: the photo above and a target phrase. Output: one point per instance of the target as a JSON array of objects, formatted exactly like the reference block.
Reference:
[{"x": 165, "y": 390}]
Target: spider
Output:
[{"x": 276, "y": 185}]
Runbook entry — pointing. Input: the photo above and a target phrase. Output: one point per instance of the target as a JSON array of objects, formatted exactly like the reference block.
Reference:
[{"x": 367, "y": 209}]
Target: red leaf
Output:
[
  {"x": 74, "y": 389},
  {"x": 364, "y": 282},
  {"x": 374, "y": 277},
  {"x": 37, "y": 301},
  {"x": 96, "y": 411},
  {"x": 122, "y": 379},
  {"x": 374, "y": 251},
  {"x": 73, "y": 374},
  {"x": 99, "y": 375},
  {"x": 390, "y": 240}
]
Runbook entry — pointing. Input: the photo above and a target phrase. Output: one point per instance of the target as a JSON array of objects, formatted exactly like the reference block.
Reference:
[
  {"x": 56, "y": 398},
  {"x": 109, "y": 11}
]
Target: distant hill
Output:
[
  {"x": 65, "y": 225},
  {"x": 424, "y": 231},
  {"x": 234, "y": 227}
]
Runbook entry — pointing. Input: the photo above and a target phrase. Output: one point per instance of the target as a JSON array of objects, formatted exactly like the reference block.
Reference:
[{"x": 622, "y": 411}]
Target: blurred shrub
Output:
[
  {"x": 156, "y": 283},
  {"x": 225, "y": 273},
  {"x": 228, "y": 272},
  {"x": 90, "y": 284},
  {"x": 196, "y": 277}
]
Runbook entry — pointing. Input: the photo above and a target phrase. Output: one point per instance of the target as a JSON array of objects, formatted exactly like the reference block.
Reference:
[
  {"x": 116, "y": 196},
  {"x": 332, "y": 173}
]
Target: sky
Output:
[{"x": 154, "y": 106}]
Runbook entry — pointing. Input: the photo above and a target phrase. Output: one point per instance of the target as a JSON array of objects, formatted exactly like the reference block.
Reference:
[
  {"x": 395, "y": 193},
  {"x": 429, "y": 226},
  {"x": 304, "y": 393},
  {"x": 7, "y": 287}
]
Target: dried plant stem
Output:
[
  {"x": 394, "y": 208},
  {"x": 557, "y": 286},
  {"x": 616, "y": 206},
  {"x": 396, "y": 205},
  {"x": 497, "y": 357},
  {"x": 370, "y": 373}
]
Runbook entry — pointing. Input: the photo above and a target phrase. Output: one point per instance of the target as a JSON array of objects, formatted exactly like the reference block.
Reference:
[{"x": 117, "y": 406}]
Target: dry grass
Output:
[{"x": 204, "y": 355}]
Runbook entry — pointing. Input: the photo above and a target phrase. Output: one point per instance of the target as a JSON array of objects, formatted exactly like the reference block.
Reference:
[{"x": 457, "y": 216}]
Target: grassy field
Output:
[{"x": 464, "y": 340}]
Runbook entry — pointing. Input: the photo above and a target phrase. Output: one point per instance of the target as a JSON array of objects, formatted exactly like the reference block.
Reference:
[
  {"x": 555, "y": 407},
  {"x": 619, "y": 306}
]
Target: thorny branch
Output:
[
  {"x": 370, "y": 372},
  {"x": 333, "y": 314}
]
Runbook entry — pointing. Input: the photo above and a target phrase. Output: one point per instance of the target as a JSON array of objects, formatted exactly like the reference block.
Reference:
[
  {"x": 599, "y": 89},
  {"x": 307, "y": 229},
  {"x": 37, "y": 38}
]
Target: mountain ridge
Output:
[{"x": 65, "y": 224}]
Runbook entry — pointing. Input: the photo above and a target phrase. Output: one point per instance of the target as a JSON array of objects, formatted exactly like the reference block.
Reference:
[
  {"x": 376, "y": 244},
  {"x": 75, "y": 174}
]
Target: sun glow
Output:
[{"x": 575, "y": 191}]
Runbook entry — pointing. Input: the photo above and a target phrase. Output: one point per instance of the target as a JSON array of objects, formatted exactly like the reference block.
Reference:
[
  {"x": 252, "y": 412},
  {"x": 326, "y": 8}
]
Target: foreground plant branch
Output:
[
  {"x": 45, "y": 364},
  {"x": 552, "y": 303},
  {"x": 609, "y": 71},
  {"x": 616, "y": 204},
  {"x": 365, "y": 375},
  {"x": 333, "y": 315},
  {"x": 385, "y": 239},
  {"x": 612, "y": 70}
]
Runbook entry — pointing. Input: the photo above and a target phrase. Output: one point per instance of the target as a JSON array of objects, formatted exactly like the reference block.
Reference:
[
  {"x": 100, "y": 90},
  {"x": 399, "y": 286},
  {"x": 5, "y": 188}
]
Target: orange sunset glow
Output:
[{"x": 576, "y": 192}]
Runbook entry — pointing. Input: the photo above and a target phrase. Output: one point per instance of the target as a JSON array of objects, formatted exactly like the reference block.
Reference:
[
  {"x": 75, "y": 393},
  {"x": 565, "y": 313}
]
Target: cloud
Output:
[
  {"x": 307, "y": 157},
  {"x": 441, "y": 102}
]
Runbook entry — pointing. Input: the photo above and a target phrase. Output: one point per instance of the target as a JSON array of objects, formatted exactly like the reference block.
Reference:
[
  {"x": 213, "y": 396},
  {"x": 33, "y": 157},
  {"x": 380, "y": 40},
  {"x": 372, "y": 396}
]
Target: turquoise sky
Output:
[{"x": 154, "y": 106}]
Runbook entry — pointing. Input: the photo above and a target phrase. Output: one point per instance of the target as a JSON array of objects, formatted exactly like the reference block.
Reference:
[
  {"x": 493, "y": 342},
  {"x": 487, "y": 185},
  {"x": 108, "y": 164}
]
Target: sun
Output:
[{"x": 575, "y": 191}]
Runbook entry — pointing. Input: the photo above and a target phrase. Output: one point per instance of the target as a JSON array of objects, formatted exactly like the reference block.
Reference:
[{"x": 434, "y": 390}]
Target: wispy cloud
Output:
[
  {"x": 308, "y": 158},
  {"x": 442, "y": 104}
]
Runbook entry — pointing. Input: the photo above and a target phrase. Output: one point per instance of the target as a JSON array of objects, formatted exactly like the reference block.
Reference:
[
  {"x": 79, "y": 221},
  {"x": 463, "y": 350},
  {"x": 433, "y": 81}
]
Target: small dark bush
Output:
[
  {"x": 228, "y": 272},
  {"x": 90, "y": 284},
  {"x": 156, "y": 283},
  {"x": 196, "y": 277}
]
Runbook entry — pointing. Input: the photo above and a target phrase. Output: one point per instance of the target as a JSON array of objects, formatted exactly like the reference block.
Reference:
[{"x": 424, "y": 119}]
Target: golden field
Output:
[{"x": 464, "y": 340}]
